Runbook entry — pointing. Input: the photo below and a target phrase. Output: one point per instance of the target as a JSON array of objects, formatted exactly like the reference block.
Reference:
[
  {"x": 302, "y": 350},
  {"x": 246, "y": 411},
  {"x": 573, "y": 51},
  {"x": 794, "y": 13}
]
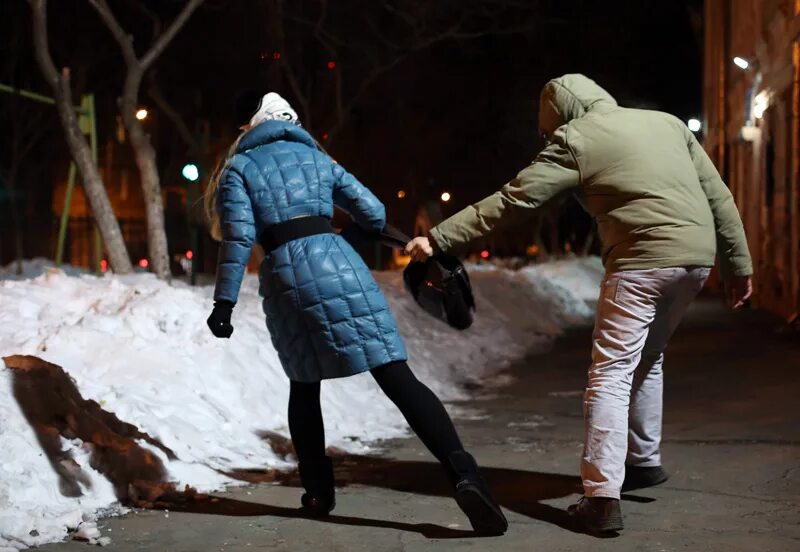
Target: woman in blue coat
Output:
[{"x": 326, "y": 315}]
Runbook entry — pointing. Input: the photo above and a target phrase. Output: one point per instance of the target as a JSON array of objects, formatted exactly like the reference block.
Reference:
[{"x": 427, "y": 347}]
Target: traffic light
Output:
[{"x": 190, "y": 172}]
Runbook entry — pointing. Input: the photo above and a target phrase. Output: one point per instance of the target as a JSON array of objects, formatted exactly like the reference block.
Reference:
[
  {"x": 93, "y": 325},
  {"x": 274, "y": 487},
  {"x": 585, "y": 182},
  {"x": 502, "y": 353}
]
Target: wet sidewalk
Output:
[{"x": 732, "y": 447}]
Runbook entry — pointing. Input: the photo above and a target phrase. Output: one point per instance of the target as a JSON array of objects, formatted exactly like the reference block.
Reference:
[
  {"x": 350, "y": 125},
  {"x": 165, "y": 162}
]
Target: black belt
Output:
[{"x": 278, "y": 234}]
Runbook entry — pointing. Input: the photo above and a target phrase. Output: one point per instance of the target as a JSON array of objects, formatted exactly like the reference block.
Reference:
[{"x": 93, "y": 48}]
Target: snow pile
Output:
[
  {"x": 140, "y": 348},
  {"x": 37, "y": 266},
  {"x": 580, "y": 275}
]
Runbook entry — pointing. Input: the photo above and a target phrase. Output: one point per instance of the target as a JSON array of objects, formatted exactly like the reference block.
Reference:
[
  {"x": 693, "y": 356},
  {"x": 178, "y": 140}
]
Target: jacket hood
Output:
[
  {"x": 274, "y": 131},
  {"x": 570, "y": 97}
]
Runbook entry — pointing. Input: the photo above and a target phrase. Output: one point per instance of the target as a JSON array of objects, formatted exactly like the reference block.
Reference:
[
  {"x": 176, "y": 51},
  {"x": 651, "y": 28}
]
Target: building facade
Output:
[{"x": 752, "y": 132}]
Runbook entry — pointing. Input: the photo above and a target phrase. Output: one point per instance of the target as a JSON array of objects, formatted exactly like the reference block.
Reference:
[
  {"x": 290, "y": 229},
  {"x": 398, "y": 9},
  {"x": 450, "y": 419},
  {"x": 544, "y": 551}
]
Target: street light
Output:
[
  {"x": 141, "y": 114},
  {"x": 401, "y": 194},
  {"x": 760, "y": 104},
  {"x": 694, "y": 125},
  {"x": 741, "y": 62},
  {"x": 445, "y": 196},
  {"x": 190, "y": 172}
]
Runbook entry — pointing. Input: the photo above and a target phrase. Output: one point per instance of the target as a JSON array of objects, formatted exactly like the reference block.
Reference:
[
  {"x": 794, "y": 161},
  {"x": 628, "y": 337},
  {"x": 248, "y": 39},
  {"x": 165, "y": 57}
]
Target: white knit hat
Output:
[{"x": 273, "y": 107}]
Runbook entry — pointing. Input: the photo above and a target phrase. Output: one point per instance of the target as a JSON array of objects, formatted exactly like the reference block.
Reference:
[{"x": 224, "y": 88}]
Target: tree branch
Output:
[
  {"x": 124, "y": 40},
  {"x": 40, "y": 42},
  {"x": 163, "y": 40},
  {"x": 155, "y": 93},
  {"x": 151, "y": 15}
]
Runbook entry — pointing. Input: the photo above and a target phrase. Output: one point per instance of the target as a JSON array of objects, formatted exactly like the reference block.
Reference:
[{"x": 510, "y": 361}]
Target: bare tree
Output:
[
  {"x": 383, "y": 35},
  {"x": 79, "y": 148},
  {"x": 27, "y": 126},
  {"x": 140, "y": 141}
]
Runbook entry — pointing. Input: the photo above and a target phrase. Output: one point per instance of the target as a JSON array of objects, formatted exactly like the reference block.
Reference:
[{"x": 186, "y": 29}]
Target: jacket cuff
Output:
[{"x": 435, "y": 242}]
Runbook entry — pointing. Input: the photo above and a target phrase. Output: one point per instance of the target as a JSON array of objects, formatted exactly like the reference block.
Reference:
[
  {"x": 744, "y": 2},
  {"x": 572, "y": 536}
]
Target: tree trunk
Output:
[
  {"x": 589, "y": 242},
  {"x": 148, "y": 171},
  {"x": 79, "y": 149},
  {"x": 15, "y": 218},
  {"x": 552, "y": 232},
  {"x": 92, "y": 184},
  {"x": 140, "y": 141},
  {"x": 538, "y": 224}
]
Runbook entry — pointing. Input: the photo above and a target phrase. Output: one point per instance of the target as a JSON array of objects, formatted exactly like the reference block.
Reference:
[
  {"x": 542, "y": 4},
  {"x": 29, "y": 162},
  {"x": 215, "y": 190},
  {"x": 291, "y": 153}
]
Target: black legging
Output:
[{"x": 423, "y": 411}]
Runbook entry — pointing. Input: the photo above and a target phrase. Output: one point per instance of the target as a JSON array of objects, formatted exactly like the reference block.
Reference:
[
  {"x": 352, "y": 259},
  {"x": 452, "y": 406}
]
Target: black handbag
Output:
[{"x": 440, "y": 285}]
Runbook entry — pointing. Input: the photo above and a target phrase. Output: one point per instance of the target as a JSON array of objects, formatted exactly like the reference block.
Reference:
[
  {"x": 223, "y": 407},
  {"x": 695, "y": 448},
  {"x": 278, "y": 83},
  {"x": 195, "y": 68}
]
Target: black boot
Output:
[
  {"x": 317, "y": 478},
  {"x": 473, "y": 497},
  {"x": 597, "y": 514},
  {"x": 637, "y": 477}
]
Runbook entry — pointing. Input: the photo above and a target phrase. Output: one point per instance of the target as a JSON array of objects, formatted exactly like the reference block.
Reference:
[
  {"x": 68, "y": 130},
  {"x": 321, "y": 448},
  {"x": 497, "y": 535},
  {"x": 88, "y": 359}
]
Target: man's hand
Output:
[
  {"x": 419, "y": 249},
  {"x": 738, "y": 289}
]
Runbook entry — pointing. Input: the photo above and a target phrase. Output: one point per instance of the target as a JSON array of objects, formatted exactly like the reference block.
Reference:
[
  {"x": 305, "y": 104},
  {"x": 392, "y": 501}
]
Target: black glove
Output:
[{"x": 220, "y": 320}]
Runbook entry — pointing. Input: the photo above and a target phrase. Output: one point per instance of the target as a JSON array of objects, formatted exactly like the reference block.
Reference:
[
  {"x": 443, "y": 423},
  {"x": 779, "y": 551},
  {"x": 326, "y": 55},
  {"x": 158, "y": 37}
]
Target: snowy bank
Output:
[{"x": 140, "y": 349}]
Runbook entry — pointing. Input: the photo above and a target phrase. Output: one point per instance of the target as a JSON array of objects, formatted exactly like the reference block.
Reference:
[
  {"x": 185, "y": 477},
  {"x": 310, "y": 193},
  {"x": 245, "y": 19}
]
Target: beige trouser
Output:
[{"x": 637, "y": 312}]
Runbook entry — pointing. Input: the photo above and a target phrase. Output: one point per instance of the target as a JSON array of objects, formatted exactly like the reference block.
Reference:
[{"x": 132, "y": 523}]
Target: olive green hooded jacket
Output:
[{"x": 657, "y": 198}]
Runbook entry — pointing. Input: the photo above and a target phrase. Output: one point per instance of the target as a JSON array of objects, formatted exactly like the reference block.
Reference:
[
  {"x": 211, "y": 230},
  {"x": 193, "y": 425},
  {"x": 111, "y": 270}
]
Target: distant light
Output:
[
  {"x": 485, "y": 254},
  {"x": 190, "y": 172},
  {"x": 760, "y": 104},
  {"x": 331, "y": 65},
  {"x": 532, "y": 250},
  {"x": 189, "y": 254},
  {"x": 741, "y": 62},
  {"x": 694, "y": 125},
  {"x": 264, "y": 55},
  {"x": 104, "y": 265},
  {"x": 144, "y": 263},
  {"x": 401, "y": 194},
  {"x": 141, "y": 114},
  {"x": 276, "y": 55},
  {"x": 325, "y": 135},
  {"x": 446, "y": 196}
]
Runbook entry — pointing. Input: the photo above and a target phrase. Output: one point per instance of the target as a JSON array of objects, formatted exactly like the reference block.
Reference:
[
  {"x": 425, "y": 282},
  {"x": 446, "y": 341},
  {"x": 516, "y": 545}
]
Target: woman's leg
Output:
[
  {"x": 308, "y": 436},
  {"x": 423, "y": 410},
  {"x": 426, "y": 415},
  {"x": 305, "y": 421}
]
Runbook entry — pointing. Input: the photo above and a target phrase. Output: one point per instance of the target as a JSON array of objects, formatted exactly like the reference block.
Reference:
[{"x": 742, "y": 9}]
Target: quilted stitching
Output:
[{"x": 326, "y": 315}]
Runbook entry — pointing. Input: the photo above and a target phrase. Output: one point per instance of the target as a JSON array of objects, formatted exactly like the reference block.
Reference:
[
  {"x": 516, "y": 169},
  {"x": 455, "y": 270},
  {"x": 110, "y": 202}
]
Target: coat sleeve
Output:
[
  {"x": 360, "y": 203},
  {"x": 734, "y": 256},
  {"x": 555, "y": 170},
  {"x": 238, "y": 233}
]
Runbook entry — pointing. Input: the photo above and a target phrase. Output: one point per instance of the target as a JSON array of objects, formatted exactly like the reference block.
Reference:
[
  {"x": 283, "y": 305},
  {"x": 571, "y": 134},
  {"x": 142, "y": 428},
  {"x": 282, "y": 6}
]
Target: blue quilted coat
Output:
[{"x": 325, "y": 313}]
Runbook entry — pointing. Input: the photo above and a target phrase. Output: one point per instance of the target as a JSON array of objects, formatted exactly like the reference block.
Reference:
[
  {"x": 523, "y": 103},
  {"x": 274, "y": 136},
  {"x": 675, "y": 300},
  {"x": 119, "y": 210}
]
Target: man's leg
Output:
[
  {"x": 626, "y": 308},
  {"x": 625, "y": 312},
  {"x": 646, "y": 408}
]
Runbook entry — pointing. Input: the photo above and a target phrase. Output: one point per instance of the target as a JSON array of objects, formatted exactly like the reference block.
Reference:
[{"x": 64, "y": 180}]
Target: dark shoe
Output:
[
  {"x": 637, "y": 477},
  {"x": 317, "y": 506},
  {"x": 473, "y": 497},
  {"x": 317, "y": 478},
  {"x": 597, "y": 515}
]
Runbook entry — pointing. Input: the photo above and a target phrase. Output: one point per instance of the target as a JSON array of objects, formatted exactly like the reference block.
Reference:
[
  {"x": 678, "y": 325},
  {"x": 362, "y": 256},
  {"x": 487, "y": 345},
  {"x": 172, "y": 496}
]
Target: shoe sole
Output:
[
  {"x": 634, "y": 487},
  {"x": 317, "y": 512},
  {"x": 486, "y": 518},
  {"x": 610, "y": 525}
]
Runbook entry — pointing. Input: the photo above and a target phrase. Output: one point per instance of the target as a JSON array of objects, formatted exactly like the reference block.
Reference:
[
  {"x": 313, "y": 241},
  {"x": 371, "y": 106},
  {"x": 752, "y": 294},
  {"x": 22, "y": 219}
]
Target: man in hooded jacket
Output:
[{"x": 663, "y": 213}]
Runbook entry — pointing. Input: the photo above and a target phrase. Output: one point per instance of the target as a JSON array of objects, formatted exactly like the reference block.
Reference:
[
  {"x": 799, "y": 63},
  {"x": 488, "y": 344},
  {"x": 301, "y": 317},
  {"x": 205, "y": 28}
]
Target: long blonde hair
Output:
[{"x": 210, "y": 195}]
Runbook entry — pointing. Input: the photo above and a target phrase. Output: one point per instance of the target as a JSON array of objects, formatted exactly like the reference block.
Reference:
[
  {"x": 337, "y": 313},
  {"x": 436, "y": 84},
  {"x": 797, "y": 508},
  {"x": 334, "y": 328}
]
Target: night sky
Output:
[{"x": 458, "y": 115}]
